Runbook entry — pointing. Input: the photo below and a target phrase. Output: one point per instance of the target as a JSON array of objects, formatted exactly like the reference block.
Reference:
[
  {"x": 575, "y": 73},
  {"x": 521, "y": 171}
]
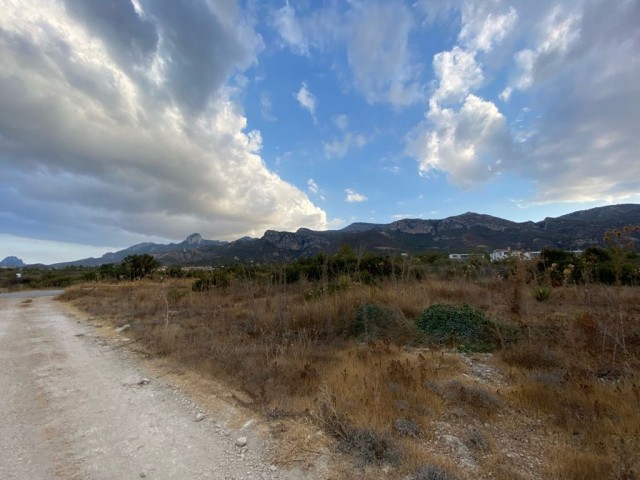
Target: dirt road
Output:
[{"x": 73, "y": 406}]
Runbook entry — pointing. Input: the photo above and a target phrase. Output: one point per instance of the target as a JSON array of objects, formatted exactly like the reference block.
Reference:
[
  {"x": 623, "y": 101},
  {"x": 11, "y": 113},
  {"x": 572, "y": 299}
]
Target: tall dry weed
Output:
[{"x": 576, "y": 367}]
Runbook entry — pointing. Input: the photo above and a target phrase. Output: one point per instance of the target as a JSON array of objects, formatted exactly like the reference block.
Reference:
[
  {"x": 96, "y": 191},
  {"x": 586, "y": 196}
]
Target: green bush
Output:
[
  {"x": 464, "y": 326},
  {"x": 541, "y": 293},
  {"x": 376, "y": 322},
  {"x": 369, "y": 321},
  {"x": 202, "y": 285}
]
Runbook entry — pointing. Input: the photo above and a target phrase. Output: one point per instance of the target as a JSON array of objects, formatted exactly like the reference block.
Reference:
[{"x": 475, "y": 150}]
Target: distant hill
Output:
[
  {"x": 12, "y": 262},
  {"x": 461, "y": 234},
  {"x": 192, "y": 242}
]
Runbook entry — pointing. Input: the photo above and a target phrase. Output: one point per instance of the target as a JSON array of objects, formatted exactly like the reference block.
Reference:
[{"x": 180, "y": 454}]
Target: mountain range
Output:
[{"x": 458, "y": 234}]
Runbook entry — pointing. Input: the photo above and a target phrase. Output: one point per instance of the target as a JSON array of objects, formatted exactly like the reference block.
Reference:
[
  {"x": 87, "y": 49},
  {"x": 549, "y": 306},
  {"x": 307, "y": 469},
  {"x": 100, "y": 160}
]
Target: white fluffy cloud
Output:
[
  {"x": 306, "y": 100},
  {"x": 354, "y": 197},
  {"x": 284, "y": 20},
  {"x": 571, "y": 66},
  {"x": 458, "y": 74},
  {"x": 128, "y": 122},
  {"x": 464, "y": 135},
  {"x": 469, "y": 144},
  {"x": 482, "y": 28}
]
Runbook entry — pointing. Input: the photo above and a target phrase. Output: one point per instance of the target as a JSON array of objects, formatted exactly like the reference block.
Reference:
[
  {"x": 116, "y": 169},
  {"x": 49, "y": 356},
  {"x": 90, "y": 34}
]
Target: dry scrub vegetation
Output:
[{"x": 554, "y": 395}]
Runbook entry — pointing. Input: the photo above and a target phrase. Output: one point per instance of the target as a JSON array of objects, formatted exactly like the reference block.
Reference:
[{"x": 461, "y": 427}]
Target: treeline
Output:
[
  {"x": 594, "y": 265},
  {"x": 131, "y": 268},
  {"x": 554, "y": 267},
  {"x": 332, "y": 270}
]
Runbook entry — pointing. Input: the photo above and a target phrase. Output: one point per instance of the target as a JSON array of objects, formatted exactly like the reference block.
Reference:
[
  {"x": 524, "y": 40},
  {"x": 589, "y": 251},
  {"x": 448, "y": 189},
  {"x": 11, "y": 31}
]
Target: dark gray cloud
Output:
[
  {"x": 106, "y": 137},
  {"x": 202, "y": 44},
  {"x": 130, "y": 38}
]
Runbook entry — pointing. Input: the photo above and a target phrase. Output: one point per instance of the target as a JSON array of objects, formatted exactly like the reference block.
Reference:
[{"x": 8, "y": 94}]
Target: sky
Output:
[{"x": 129, "y": 121}]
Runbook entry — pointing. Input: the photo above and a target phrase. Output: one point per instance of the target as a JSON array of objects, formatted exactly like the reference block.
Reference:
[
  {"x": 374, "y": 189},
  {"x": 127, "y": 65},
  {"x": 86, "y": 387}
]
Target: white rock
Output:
[
  {"x": 200, "y": 416},
  {"x": 465, "y": 457},
  {"x": 241, "y": 442},
  {"x": 123, "y": 328}
]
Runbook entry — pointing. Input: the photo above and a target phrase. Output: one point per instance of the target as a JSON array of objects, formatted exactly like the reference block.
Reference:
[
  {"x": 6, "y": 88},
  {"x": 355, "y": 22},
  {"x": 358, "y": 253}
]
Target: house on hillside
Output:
[
  {"x": 498, "y": 255},
  {"x": 504, "y": 254},
  {"x": 459, "y": 256}
]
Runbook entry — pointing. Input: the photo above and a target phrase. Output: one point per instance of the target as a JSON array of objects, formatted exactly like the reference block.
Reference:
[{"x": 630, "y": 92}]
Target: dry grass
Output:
[{"x": 386, "y": 399}]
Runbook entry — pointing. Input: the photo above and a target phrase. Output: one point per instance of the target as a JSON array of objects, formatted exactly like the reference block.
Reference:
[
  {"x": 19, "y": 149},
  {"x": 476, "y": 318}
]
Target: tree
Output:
[{"x": 139, "y": 266}]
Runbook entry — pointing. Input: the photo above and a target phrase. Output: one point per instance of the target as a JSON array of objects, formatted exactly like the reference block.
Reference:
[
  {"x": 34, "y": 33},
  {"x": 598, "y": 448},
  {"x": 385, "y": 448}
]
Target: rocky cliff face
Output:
[
  {"x": 304, "y": 240},
  {"x": 414, "y": 226},
  {"x": 195, "y": 239}
]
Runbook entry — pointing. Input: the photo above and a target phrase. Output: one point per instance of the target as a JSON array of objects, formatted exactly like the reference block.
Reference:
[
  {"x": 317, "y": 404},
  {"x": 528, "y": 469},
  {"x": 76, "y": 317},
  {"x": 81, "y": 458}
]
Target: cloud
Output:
[
  {"x": 341, "y": 121},
  {"x": 138, "y": 135},
  {"x": 307, "y": 100},
  {"x": 458, "y": 74},
  {"x": 574, "y": 66},
  {"x": 379, "y": 56},
  {"x": 482, "y": 30},
  {"x": 354, "y": 197},
  {"x": 338, "y": 148},
  {"x": 312, "y": 186},
  {"x": 465, "y": 135},
  {"x": 284, "y": 20},
  {"x": 265, "y": 108},
  {"x": 375, "y": 36},
  {"x": 559, "y": 31},
  {"x": 580, "y": 70},
  {"x": 470, "y": 145},
  {"x": 336, "y": 223}
]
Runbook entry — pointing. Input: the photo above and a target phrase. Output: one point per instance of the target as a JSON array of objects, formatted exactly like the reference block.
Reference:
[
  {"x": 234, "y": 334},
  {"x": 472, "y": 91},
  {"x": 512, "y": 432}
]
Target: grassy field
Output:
[{"x": 430, "y": 378}]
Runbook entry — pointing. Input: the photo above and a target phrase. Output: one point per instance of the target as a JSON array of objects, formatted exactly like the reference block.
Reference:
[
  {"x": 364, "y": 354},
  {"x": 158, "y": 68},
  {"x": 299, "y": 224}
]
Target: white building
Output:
[
  {"x": 498, "y": 255},
  {"x": 459, "y": 256}
]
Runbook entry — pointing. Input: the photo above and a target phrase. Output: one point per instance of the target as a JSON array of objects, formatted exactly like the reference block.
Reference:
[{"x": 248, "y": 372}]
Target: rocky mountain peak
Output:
[
  {"x": 12, "y": 262},
  {"x": 414, "y": 226},
  {"x": 194, "y": 239}
]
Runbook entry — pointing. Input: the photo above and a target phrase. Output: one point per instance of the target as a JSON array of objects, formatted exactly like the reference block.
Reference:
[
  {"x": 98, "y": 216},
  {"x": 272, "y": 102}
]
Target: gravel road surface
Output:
[{"x": 72, "y": 406}]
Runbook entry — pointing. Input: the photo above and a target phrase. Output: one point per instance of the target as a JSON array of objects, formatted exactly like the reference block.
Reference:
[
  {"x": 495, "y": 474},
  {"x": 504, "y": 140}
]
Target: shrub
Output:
[
  {"x": 375, "y": 322},
  {"x": 472, "y": 396},
  {"x": 464, "y": 326},
  {"x": 201, "y": 285},
  {"x": 370, "y": 445},
  {"x": 370, "y": 320},
  {"x": 531, "y": 357},
  {"x": 541, "y": 293},
  {"x": 366, "y": 443},
  {"x": 407, "y": 427},
  {"x": 431, "y": 472}
]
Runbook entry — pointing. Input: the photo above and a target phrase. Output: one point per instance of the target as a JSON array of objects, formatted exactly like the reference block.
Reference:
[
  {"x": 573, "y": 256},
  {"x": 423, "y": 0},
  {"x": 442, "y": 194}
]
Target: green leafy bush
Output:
[
  {"x": 463, "y": 326},
  {"x": 370, "y": 320},
  {"x": 541, "y": 293}
]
